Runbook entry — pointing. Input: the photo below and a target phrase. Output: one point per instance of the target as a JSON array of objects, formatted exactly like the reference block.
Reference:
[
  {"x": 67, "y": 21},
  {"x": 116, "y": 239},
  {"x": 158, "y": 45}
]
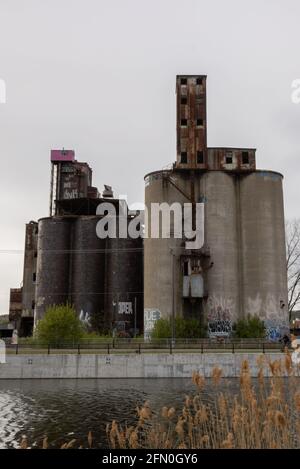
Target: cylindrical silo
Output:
[
  {"x": 263, "y": 249},
  {"x": 162, "y": 268},
  {"x": 88, "y": 268},
  {"x": 52, "y": 280},
  {"x": 124, "y": 284},
  {"x": 219, "y": 304},
  {"x": 222, "y": 303}
]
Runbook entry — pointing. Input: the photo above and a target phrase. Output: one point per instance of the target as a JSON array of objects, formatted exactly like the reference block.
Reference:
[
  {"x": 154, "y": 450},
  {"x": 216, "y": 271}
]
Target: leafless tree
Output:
[{"x": 293, "y": 263}]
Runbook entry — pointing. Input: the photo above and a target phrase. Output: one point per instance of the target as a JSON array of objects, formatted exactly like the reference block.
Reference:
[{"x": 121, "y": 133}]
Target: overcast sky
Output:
[{"x": 99, "y": 77}]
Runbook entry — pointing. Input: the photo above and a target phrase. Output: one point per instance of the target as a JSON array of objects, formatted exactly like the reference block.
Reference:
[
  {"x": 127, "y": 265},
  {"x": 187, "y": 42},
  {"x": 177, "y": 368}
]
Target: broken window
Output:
[
  {"x": 34, "y": 277},
  {"x": 33, "y": 305},
  {"x": 183, "y": 122},
  {"x": 228, "y": 158},
  {"x": 186, "y": 268},
  {"x": 183, "y": 100},
  {"x": 183, "y": 81},
  {"x": 200, "y": 158},
  {"x": 199, "y": 122},
  {"x": 199, "y": 81},
  {"x": 245, "y": 157},
  {"x": 183, "y": 157}
]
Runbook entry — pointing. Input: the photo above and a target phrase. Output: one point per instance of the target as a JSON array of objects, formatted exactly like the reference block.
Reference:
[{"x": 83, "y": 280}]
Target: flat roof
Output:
[
  {"x": 191, "y": 76},
  {"x": 250, "y": 171}
]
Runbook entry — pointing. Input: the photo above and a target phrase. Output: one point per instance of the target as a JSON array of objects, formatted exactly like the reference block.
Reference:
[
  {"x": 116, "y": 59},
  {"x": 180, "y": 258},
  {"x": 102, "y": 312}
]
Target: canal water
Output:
[{"x": 67, "y": 409}]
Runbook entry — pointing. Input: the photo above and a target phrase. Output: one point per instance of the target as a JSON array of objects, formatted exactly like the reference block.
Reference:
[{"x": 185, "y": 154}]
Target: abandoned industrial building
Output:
[
  {"x": 66, "y": 262},
  {"x": 241, "y": 268},
  {"x": 129, "y": 283}
]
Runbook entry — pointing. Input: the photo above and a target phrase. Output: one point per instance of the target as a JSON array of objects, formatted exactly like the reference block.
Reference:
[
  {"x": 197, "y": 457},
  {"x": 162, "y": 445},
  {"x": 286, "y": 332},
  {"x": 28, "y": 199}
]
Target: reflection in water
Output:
[{"x": 66, "y": 409}]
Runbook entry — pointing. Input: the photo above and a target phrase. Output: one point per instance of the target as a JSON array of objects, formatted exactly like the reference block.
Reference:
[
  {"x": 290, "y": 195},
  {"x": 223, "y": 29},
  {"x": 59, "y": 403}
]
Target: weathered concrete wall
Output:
[
  {"x": 245, "y": 237},
  {"x": 130, "y": 366}
]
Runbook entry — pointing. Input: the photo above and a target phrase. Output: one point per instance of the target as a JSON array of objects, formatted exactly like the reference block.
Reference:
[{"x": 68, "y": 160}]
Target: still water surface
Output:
[{"x": 67, "y": 409}]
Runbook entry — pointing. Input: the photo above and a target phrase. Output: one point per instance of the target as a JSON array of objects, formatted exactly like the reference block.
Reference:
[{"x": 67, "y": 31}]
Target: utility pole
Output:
[{"x": 135, "y": 316}]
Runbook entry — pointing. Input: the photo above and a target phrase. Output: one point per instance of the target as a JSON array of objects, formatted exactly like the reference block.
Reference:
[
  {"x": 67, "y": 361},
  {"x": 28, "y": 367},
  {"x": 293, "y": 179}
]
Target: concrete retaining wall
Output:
[{"x": 162, "y": 365}]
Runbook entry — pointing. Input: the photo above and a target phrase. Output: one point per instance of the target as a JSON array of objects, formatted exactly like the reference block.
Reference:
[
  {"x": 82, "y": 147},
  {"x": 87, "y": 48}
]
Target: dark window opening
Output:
[
  {"x": 199, "y": 122},
  {"x": 183, "y": 100},
  {"x": 183, "y": 81},
  {"x": 34, "y": 277},
  {"x": 228, "y": 158},
  {"x": 183, "y": 122},
  {"x": 186, "y": 268},
  {"x": 200, "y": 157},
  {"x": 245, "y": 157},
  {"x": 199, "y": 81},
  {"x": 33, "y": 304},
  {"x": 183, "y": 157},
  {"x": 35, "y": 254}
]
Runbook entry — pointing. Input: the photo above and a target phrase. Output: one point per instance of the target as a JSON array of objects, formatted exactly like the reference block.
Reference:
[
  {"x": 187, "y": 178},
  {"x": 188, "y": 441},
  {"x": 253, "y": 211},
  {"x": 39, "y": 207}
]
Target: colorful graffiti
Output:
[
  {"x": 273, "y": 311},
  {"x": 219, "y": 322},
  {"x": 275, "y": 329}
]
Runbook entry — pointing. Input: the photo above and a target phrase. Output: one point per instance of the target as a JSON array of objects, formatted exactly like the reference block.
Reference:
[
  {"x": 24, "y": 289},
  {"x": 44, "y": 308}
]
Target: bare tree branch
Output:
[{"x": 293, "y": 263}]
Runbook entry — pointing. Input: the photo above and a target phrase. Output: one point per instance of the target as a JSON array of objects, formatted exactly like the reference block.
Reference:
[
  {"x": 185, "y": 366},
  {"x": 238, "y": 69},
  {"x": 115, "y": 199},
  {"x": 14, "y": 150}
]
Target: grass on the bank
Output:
[{"x": 264, "y": 416}]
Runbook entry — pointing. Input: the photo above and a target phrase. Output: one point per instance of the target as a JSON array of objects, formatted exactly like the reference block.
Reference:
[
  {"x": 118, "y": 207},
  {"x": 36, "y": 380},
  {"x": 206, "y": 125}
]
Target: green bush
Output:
[
  {"x": 162, "y": 329},
  {"x": 60, "y": 324},
  {"x": 95, "y": 335},
  {"x": 250, "y": 327},
  {"x": 184, "y": 328}
]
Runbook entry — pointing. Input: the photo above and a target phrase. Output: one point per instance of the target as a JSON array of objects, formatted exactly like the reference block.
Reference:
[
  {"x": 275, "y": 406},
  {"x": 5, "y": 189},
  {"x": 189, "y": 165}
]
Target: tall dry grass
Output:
[{"x": 263, "y": 416}]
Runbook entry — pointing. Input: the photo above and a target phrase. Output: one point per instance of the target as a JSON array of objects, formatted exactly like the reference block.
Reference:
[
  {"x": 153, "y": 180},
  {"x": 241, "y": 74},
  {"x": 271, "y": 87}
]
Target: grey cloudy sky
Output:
[{"x": 99, "y": 77}]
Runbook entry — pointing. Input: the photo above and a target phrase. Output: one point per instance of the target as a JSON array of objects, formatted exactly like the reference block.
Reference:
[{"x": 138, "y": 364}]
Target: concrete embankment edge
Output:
[{"x": 179, "y": 365}]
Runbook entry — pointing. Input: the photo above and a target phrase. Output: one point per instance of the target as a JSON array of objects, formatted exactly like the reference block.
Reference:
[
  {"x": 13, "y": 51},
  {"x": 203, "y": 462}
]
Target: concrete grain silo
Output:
[
  {"x": 263, "y": 249},
  {"x": 240, "y": 269}
]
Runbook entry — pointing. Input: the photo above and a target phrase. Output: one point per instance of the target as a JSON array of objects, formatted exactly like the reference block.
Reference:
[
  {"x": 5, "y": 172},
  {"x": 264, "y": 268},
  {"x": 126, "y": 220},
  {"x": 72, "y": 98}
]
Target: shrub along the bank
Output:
[
  {"x": 60, "y": 324},
  {"x": 184, "y": 328},
  {"x": 250, "y": 327}
]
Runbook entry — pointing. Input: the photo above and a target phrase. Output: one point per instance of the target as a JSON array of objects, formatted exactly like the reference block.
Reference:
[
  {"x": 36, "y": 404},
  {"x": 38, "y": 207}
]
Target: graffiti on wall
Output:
[
  {"x": 85, "y": 318},
  {"x": 276, "y": 328},
  {"x": 269, "y": 307},
  {"x": 150, "y": 317},
  {"x": 219, "y": 318},
  {"x": 71, "y": 194},
  {"x": 125, "y": 307},
  {"x": 273, "y": 312}
]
